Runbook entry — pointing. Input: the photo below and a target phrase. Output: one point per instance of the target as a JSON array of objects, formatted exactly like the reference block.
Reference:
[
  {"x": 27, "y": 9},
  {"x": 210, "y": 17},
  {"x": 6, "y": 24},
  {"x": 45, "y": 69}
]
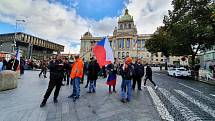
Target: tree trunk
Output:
[
  {"x": 193, "y": 60},
  {"x": 166, "y": 63}
]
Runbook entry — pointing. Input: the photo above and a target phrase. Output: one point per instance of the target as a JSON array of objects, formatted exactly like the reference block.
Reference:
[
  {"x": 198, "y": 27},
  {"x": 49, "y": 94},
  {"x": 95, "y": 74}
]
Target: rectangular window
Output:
[
  {"x": 119, "y": 55},
  {"x": 138, "y": 44},
  {"x": 134, "y": 44},
  {"x": 123, "y": 55},
  {"x": 111, "y": 43},
  {"x": 127, "y": 54},
  {"x": 128, "y": 43},
  {"x": 114, "y": 41},
  {"x": 143, "y": 45},
  {"x": 122, "y": 43},
  {"x": 119, "y": 44}
]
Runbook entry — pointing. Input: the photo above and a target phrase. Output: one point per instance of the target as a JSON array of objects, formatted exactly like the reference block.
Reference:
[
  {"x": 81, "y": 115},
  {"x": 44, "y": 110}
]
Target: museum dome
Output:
[
  {"x": 88, "y": 34},
  {"x": 126, "y": 17}
]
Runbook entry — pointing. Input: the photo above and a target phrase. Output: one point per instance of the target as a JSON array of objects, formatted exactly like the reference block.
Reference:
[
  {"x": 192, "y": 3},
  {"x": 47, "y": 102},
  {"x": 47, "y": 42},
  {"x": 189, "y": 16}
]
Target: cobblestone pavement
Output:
[
  {"x": 175, "y": 99},
  {"x": 186, "y": 100},
  {"x": 22, "y": 104}
]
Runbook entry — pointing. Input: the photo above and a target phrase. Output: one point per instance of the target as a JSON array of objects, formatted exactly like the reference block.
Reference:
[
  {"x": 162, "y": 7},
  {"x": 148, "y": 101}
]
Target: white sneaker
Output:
[
  {"x": 144, "y": 86},
  {"x": 156, "y": 87}
]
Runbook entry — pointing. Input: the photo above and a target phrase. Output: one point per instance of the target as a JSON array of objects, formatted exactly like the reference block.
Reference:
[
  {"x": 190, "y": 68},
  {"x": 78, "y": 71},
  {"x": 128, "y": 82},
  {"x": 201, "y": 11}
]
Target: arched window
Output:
[
  {"x": 129, "y": 26},
  {"x": 121, "y": 26},
  {"x": 119, "y": 56}
]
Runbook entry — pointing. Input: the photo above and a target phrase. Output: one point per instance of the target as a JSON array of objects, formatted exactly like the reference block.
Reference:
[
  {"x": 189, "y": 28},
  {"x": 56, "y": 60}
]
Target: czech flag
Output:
[
  {"x": 111, "y": 79},
  {"x": 103, "y": 52}
]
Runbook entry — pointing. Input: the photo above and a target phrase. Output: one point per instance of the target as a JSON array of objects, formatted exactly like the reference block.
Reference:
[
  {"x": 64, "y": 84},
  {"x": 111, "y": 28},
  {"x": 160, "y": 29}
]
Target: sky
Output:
[{"x": 64, "y": 21}]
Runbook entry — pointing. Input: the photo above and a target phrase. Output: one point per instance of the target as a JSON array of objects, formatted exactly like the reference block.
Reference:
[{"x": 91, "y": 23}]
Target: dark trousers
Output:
[
  {"x": 150, "y": 79},
  {"x": 43, "y": 71},
  {"x": 55, "y": 82},
  {"x": 138, "y": 81},
  {"x": 66, "y": 76},
  {"x": 113, "y": 88}
]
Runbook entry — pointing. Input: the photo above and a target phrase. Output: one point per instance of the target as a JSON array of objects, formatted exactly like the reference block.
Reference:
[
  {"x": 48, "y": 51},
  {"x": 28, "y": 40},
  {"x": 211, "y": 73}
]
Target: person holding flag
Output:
[{"x": 111, "y": 81}]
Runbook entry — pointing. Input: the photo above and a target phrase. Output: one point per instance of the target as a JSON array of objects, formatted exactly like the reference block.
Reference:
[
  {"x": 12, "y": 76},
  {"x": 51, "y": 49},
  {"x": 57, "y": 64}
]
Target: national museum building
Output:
[{"x": 125, "y": 42}]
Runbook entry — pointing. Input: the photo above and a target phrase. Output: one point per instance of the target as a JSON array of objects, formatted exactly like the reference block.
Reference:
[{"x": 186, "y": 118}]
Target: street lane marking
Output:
[
  {"x": 212, "y": 95},
  {"x": 197, "y": 102},
  {"x": 165, "y": 115},
  {"x": 190, "y": 88},
  {"x": 157, "y": 74},
  {"x": 184, "y": 111}
]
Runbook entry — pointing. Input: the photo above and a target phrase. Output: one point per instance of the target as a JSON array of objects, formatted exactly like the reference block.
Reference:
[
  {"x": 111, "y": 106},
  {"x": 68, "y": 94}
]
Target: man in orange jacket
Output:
[{"x": 76, "y": 75}]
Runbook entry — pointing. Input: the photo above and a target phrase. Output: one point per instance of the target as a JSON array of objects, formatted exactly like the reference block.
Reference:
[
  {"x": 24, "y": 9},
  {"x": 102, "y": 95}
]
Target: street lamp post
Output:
[{"x": 14, "y": 42}]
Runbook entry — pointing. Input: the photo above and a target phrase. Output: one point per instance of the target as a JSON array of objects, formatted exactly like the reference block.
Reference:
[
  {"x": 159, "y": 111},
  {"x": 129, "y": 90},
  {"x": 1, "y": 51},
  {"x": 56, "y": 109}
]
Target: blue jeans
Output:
[
  {"x": 126, "y": 85},
  {"x": 76, "y": 87},
  {"x": 92, "y": 87}
]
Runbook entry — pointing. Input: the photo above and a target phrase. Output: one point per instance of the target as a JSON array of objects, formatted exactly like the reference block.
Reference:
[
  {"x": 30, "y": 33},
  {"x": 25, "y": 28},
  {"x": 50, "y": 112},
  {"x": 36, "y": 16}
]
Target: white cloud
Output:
[
  {"x": 148, "y": 14},
  {"x": 57, "y": 23}
]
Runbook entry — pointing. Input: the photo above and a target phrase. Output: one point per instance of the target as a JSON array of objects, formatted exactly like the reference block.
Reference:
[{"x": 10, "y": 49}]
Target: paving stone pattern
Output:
[{"x": 22, "y": 104}]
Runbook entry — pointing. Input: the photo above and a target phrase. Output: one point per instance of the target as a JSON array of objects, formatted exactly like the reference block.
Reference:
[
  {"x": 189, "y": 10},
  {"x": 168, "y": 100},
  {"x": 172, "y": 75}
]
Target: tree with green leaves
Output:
[{"x": 189, "y": 28}]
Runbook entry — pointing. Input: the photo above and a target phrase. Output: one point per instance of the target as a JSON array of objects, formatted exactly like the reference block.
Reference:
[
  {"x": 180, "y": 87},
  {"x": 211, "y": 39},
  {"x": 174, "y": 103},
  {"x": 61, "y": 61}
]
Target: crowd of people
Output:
[{"x": 73, "y": 73}]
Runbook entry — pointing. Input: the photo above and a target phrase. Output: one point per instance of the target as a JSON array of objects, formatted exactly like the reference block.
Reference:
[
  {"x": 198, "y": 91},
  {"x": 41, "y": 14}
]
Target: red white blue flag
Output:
[{"x": 103, "y": 52}]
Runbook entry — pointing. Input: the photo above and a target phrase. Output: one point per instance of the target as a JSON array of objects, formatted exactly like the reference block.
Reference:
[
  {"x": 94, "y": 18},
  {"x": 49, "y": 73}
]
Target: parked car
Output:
[{"x": 177, "y": 72}]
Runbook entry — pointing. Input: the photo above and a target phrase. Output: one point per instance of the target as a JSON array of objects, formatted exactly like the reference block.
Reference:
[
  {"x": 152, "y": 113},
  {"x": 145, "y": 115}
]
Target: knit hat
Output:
[{"x": 128, "y": 60}]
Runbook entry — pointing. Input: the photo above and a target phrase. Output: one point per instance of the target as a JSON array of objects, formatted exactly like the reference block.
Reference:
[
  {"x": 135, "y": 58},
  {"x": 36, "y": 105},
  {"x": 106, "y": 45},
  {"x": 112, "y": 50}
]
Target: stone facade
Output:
[
  {"x": 125, "y": 41},
  {"x": 31, "y": 47}
]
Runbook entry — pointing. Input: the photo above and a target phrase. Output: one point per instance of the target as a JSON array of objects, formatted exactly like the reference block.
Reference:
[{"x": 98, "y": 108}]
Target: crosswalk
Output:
[{"x": 178, "y": 105}]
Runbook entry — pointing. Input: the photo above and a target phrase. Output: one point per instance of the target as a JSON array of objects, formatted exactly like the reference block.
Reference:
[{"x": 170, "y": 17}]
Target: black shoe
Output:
[
  {"x": 55, "y": 101},
  {"x": 139, "y": 89},
  {"x": 39, "y": 76},
  {"x": 123, "y": 100},
  {"x": 45, "y": 76},
  {"x": 94, "y": 91},
  {"x": 71, "y": 96},
  {"x": 128, "y": 100},
  {"x": 43, "y": 104},
  {"x": 86, "y": 86},
  {"x": 62, "y": 85}
]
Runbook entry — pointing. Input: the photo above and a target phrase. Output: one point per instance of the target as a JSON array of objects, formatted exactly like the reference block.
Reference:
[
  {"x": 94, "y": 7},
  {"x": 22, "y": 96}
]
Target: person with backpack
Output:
[
  {"x": 126, "y": 72},
  {"x": 93, "y": 70},
  {"x": 139, "y": 73},
  {"x": 149, "y": 76}
]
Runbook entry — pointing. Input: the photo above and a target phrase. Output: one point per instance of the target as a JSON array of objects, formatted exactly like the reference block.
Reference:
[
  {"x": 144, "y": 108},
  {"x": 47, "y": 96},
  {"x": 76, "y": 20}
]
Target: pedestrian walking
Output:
[
  {"x": 22, "y": 64},
  {"x": 1, "y": 64},
  {"x": 86, "y": 68},
  {"x": 76, "y": 75},
  {"x": 111, "y": 80},
  {"x": 93, "y": 70},
  {"x": 43, "y": 66},
  {"x": 127, "y": 72},
  {"x": 4, "y": 63},
  {"x": 149, "y": 76},
  {"x": 139, "y": 73},
  {"x": 56, "y": 76},
  {"x": 67, "y": 70}
]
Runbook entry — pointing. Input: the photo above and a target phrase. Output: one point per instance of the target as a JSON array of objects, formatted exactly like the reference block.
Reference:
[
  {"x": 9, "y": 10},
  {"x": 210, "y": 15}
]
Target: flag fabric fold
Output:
[
  {"x": 103, "y": 52},
  {"x": 111, "y": 79}
]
